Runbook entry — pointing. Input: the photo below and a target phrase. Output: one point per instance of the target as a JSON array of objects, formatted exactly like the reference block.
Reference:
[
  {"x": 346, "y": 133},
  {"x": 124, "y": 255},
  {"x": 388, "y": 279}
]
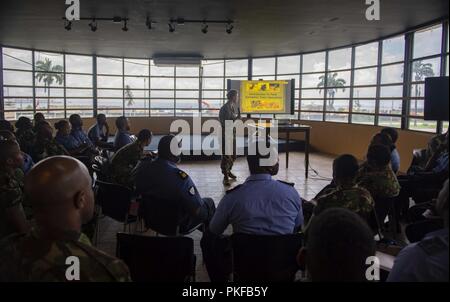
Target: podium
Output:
[{"x": 287, "y": 129}]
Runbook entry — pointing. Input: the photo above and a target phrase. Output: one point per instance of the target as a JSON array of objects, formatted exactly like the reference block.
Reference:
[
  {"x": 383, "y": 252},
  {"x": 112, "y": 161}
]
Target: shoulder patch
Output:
[
  {"x": 287, "y": 183},
  {"x": 182, "y": 174},
  {"x": 233, "y": 189}
]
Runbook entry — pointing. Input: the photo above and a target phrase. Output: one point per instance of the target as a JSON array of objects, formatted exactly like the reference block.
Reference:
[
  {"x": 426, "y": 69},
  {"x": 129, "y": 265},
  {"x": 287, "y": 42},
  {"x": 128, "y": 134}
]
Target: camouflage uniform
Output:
[
  {"x": 26, "y": 139},
  {"x": 28, "y": 257},
  {"x": 11, "y": 194},
  {"x": 349, "y": 196},
  {"x": 229, "y": 111},
  {"x": 380, "y": 182},
  {"x": 46, "y": 149},
  {"x": 123, "y": 163}
]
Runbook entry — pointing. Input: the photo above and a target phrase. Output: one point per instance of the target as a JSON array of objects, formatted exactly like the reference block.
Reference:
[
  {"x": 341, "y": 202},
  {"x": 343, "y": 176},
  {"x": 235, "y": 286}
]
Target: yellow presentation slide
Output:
[{"x": 263, "y": 96}]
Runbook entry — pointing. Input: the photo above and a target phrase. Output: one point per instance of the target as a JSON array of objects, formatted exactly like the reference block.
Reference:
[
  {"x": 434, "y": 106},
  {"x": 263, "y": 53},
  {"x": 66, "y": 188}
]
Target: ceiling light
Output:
[
  {"x": 205, "y": 28},
  {"x": 229, "y": 28},
  {"x": 93, "y": 25},
  {"x": 125, "y": 28},
  {"x": 68, "y": 25},
  {"x": 149, "y": 23},
  {"x": 171, "y": 27}
]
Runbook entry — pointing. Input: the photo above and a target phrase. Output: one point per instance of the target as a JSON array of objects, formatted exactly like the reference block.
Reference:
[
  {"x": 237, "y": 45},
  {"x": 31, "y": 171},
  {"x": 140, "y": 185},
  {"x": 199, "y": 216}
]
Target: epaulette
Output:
[
  {"x": 233, "y": 189},
  {"x": 182, "y": 174},
  {"x": 287, "y": 183},
  {"x": 434, "y": 245}
]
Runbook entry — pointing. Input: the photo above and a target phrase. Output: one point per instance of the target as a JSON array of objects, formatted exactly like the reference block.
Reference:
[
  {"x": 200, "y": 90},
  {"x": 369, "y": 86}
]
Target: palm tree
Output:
[
  {"x": 48, "y": 73},
  {"x": 333, "y": 82},
  {"x": 420, "y": 71},
  {"x": 129, "y": 95}
]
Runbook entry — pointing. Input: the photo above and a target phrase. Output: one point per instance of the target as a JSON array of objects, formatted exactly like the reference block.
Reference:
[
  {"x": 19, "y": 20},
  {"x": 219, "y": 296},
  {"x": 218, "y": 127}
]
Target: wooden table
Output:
[{"x": 288, "y": 129}]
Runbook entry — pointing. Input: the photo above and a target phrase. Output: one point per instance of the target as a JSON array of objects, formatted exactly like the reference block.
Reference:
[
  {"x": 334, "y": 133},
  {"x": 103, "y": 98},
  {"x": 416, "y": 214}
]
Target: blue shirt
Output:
[
  {"x": 441, "y": 163},
  {"x": 395, "y": 160},
  {"x": 121, "y": 139},
  {"x": 424, "y": 261},
  {"x": 162, "y": 178},
  {"x": 82, "y": 138},
  {"x": 96, "y": 133},
  {"x": 260, "y": 206},
  {"x": 69, "y": 142},
  {"x": 28, "y": 163}
]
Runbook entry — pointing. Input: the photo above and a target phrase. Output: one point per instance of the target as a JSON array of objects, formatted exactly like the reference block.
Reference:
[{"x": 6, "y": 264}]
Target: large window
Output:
[
  {"x": 378, "y": 83},
  {"x": 426, "y": 62}
]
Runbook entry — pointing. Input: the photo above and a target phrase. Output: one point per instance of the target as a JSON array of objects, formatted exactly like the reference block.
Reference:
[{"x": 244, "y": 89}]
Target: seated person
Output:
[
  {"x": 376, "y": 175},
  {"x": 38, "y": 118},
  {"x": 6, "y": 125},
  {"x": 122, "y": 137},
  {"x": 423, "y": 184},
  {"x": 347, "y": 194},
  {"x": 78, "y": 134},
  {"x": 427, "y": 260},
  {"x": 63, "y": 137},
  {"x": 99, "y": 133},
  {"x": 435, "y": 147},
  {"x": 46, "y": 145},
  {"x": 59, "y": 217},
  {"x": 260, "y": 206},
  {"x": 25, "y": 135},
  {"x": 337, "y": 247},
  {"x": 162, "y": 178},
  {"x": 395, "y": 156},
  {"x": 12, "y": 216},
  {"x": 28, "y": 162},
  {"x": 125, "y": 160}
]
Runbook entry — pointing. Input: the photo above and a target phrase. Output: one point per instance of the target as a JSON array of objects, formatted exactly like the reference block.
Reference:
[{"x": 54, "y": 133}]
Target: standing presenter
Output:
[{"x": 229, "y": 112}]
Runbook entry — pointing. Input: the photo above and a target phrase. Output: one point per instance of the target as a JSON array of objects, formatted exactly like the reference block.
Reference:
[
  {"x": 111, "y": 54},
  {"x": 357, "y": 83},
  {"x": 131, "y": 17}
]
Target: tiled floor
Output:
[{"x": 208, "y": 179}]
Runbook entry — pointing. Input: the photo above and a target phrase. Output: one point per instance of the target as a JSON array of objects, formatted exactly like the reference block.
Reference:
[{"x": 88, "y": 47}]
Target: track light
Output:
[
  {"x": 149, "y": 23},
  {"x": 93, "y": 25},
  {"x": 229, "y": 29},
  {"x": 171, "y": 27},
  {"x": 205, "y": 28},
  {"x": 117, "y": 19},
  {"x": 125, "y": 27},
  {"x": 68, "y": 25}
]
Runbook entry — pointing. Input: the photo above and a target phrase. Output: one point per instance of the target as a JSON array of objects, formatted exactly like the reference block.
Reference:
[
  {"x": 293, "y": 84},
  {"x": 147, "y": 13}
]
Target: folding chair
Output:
[
  {"x": 157, "y": 259},
  {"x": 115, "y": 202},
  {"x": 270, "y": 258}
]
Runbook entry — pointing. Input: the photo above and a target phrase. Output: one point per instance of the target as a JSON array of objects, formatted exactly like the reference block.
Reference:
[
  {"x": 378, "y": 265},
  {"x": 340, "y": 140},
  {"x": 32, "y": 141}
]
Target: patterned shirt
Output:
[
  {"x": 348, "y": 196},
  {"x": 380, "y": 182},
  {"x": 47, "y": 148},
  {"x": 11, "y": 194},
  {"x": 28, "y": 257}
]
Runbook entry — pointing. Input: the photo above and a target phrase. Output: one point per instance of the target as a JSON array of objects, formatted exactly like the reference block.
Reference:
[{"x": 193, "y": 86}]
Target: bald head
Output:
[{"x": 59, "y": 189}]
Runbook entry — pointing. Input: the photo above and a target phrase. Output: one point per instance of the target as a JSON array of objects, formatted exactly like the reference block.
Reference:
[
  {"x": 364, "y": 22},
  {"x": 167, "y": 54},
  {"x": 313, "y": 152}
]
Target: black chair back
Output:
[
  {"x": 161, "y": 215},
  {"x": 100, "y": 166},
  {"x": 114, "y": 199},
  {"x": 157, "y": 259},
  {"x": 265, "y": 258}
]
